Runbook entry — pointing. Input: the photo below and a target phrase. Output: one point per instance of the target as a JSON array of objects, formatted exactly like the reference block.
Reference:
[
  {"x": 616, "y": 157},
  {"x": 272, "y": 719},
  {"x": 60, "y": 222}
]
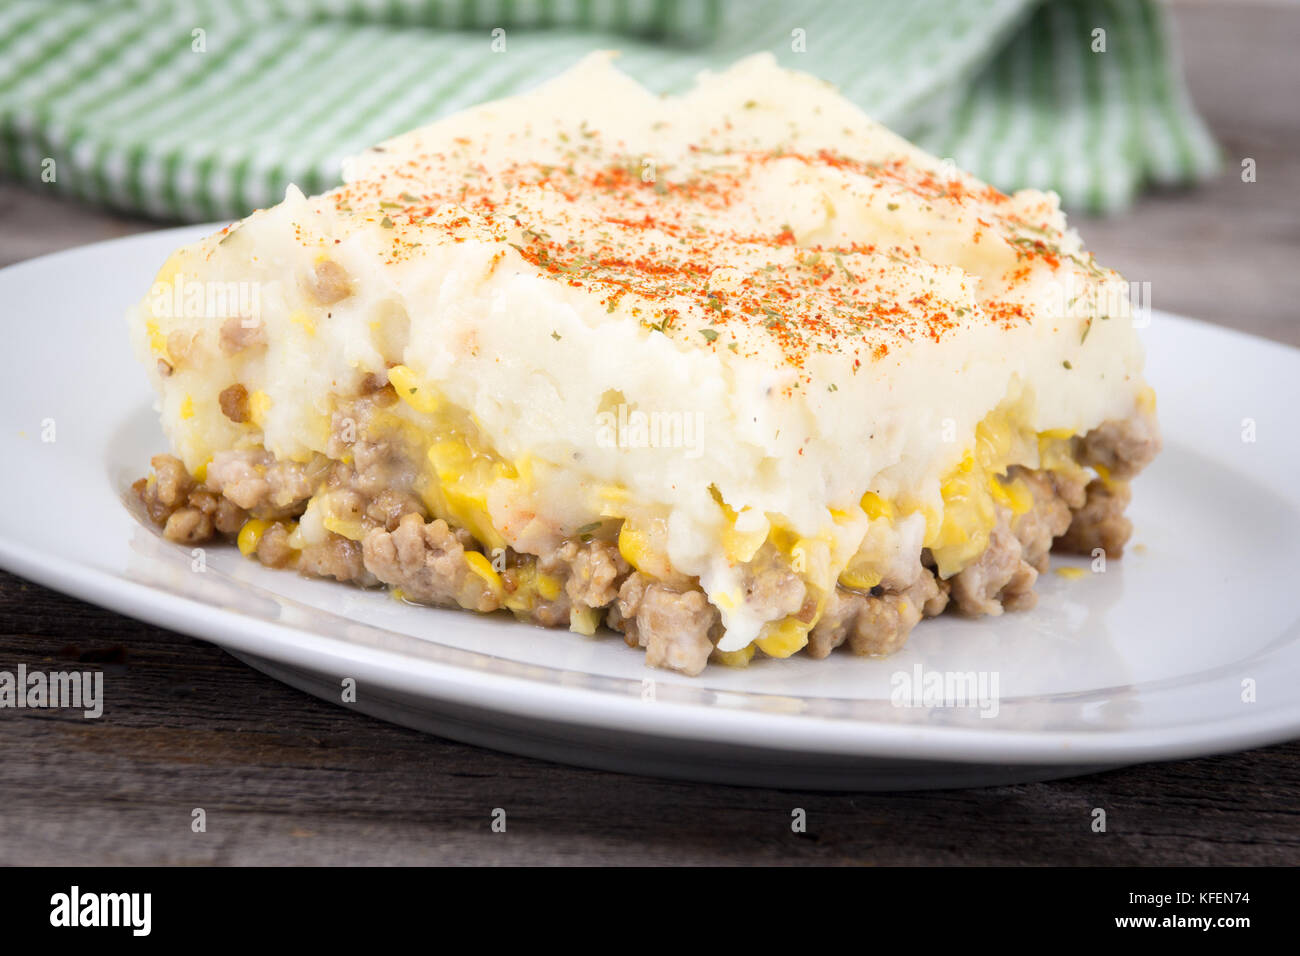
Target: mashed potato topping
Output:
[{"x": 740, "y": 328}]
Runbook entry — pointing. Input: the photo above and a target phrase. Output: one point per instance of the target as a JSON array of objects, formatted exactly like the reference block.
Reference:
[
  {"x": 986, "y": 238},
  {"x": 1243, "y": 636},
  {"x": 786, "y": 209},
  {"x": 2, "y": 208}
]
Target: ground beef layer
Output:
[{"x": 581, "y": 583}]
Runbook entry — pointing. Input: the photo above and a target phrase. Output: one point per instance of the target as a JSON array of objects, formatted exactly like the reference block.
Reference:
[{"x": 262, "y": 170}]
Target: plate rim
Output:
[{"x": 803, "y": 733}]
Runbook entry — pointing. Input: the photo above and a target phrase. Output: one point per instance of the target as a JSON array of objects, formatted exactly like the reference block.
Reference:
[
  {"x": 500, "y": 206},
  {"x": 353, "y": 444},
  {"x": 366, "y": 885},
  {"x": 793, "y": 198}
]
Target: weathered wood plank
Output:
[{"x": 285, "y": 778}]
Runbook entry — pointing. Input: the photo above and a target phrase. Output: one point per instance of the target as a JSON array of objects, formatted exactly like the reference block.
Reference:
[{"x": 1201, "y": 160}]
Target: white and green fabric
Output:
[{"x": 204, "y": 110}]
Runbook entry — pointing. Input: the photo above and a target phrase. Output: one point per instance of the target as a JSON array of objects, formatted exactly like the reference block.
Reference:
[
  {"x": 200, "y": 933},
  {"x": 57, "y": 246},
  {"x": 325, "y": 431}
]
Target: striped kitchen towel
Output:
[{"x": 207, "y": 109}]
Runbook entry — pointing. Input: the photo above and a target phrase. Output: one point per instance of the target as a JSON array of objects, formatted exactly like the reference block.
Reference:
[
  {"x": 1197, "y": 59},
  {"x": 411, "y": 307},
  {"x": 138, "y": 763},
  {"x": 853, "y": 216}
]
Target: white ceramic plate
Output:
[{"x": 1188, "y": 646}]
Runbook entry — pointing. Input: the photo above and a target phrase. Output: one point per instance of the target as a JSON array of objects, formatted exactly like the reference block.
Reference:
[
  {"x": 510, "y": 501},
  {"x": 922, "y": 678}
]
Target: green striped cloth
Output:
[{"x": 205, "y": 110}]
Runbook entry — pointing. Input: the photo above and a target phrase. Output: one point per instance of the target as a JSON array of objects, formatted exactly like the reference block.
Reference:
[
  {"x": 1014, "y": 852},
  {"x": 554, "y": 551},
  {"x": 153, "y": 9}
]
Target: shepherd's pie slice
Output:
[{"x": 738, "y": 370}]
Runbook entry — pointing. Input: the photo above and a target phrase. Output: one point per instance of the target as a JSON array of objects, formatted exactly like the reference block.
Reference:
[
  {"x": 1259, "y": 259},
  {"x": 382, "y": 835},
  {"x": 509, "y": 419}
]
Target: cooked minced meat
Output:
[
  {"x": 1050, "y": 515},
  {"x": 773, "y": 591},
  {"x": 188, "y": 526},
  {"x": 1003, "y": 577},
  {"x": 427, "y": 561},
  {"x": 169, "y": 488},
  {"x": 329, "y": 282},
  {"x": 1123, "y": 446},
  {"x": 367, "y": 466},
  {"x": 225, "y": 515},
  {"x": 273, "y": 547},
  {"x": 336, "y": 557},
  {"x": 677, "y": 628},
  {"x": 263, "y": 486},
  {"x": 1100, "y": 523},
  {"x": 999, "y": 579},
  {"x": 188, "y": 513},
  {"x": 389, "y": 507},
  {"x": 372, "y": 483},
  {"x": 594, "y": 570},
  {"x": 241, "y": 332},
  {"x": 876, "y": 624},
  {"x": 553, "y": 613},
  {"x": 234, "y": 403}
]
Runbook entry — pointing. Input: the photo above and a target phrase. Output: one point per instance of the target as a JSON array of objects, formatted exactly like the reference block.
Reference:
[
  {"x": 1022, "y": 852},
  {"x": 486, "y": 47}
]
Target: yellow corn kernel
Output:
[
  {"x": 956, "y": 488},
  {"x": 521, "y": 599},
  {"x": 1146, "y": 400},
  {"x": 302, "y": 319},
  {"x": 613, "y": 501},
  {"x": 933, "y": 522},
  {"x": 726, "y": 601},
  {"x": 250, "y": 534},
  {"x": 877, "y": 507},
  {"x": 632, "y": 544},
  {"x": 157, "y": 341},
  {"x": 469, "y": 510},
  {"x": 968, "y": 517},
  {"x": 548, "y": 586},
  {"x": 740, "y": 658},
  {"x": 1071, "y": 573},
  {"x": 992, "y": 442},
  {"x": 1055, "y": 452},
  {"x": 409, "y": 390},
  {"x": 741, "y": 546},
  {"x": 460, "y": 493},
  {"x": 201, "y": 472},
  {"x": 450, "y": 459},
  {"x": 353, "y": 530},
  {"x": 860, "y": 578},
  {"x": 259, "y": 403},
  {"x": 584, "y": 620},
  {"x": 187, "y": 407},
  {"x": 784, "y": 539},
  {"x": 521, "y": 470},
  {"x": 1015, "y": 495},
  {"x": 783, "y": 638},
  {"x": 481, "y": 566}
]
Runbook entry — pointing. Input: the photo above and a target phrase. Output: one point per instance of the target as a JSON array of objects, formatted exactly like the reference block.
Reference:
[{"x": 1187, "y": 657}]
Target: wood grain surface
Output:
[{"x": 285, "y": 778}]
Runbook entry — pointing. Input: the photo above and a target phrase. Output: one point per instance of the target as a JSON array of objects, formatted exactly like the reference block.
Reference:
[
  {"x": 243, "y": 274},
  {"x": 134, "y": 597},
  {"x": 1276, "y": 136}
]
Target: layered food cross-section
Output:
[{"x": 733, "y": 373}]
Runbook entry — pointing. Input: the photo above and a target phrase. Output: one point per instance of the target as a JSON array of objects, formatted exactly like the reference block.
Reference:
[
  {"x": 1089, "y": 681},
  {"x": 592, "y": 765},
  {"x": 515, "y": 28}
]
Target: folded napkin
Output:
[{"x": 207, "y": 109}]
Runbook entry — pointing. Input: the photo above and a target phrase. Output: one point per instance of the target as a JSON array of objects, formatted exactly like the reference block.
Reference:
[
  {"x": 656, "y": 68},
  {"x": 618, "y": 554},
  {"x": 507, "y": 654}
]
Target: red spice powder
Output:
[{"x": 648, "y": 243}]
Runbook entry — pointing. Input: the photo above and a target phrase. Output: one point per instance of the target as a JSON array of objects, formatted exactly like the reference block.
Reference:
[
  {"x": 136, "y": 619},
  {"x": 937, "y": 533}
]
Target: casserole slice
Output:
[{"x": 734, "y": 373}]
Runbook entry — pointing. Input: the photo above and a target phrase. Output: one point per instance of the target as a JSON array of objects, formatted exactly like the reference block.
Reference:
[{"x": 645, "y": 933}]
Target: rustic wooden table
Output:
[{"x": 285, "y": 778}]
